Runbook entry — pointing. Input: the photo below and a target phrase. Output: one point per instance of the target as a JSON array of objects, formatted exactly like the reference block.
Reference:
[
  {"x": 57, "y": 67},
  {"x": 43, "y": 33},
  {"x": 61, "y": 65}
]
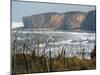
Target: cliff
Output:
[
  {"x": 59, "y": 21},
  {"x": 90, "y": 22}
]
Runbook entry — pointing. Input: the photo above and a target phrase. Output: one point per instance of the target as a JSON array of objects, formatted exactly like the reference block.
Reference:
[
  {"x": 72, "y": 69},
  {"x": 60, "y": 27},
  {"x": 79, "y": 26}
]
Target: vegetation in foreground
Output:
[
  {"x": 24, "y": 63},
  {"x": 33, "y": 63}
]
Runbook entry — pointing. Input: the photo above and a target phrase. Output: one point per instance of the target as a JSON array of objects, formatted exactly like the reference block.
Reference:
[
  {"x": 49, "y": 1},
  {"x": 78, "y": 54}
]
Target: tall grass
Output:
[{"x": 23, "y": 63}]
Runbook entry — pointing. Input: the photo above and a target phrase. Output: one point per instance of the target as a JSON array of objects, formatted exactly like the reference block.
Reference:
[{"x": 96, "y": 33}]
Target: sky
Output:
[{"x": 20, "y": 9}]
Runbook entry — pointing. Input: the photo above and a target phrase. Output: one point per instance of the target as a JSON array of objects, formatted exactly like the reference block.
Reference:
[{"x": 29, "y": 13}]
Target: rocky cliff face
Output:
[
  {"x": 56, "y": 21},
  {"x": 90, "y": 22}
]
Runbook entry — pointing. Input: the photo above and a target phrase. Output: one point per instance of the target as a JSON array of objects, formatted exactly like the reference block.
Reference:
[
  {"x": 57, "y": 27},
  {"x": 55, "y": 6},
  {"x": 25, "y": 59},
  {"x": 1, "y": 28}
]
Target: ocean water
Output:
[{"x": 74, "y": 43}]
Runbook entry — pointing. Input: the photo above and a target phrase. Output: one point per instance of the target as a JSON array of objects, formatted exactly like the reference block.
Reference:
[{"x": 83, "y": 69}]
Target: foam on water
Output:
[{"x": 72, "y": 42}]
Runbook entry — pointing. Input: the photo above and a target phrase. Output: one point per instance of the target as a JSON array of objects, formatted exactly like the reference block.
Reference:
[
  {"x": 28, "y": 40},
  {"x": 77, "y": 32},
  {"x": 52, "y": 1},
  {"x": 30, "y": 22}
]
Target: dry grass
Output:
[{"x": 39, "y": 64}]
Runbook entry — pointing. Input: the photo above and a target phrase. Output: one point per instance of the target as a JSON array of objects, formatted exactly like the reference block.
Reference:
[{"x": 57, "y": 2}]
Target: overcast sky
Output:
[{"x": 20, "y": 9}]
